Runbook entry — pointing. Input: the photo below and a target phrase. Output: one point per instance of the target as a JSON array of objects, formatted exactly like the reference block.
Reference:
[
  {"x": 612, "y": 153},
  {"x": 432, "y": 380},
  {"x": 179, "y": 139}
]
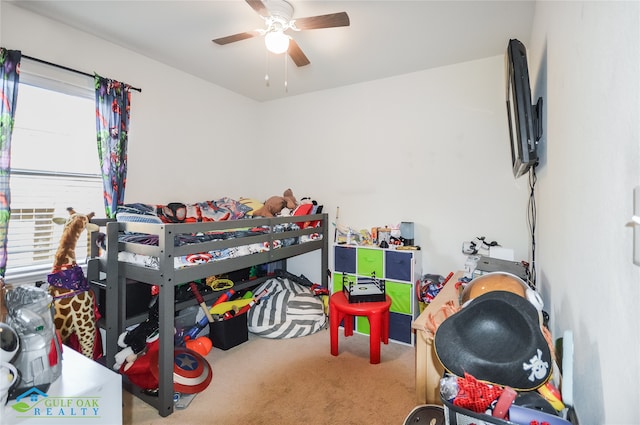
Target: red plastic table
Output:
[{"x": 340, "y": 309}]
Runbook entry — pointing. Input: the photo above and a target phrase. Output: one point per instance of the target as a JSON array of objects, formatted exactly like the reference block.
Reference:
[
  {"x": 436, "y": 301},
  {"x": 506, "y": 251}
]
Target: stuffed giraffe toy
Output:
[{"x": 72, "y": 299}]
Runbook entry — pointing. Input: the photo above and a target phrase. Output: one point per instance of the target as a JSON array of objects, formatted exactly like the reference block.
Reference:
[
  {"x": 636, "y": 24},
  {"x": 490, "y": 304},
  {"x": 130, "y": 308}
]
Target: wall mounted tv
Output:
[{"x": 525, "y": 119}]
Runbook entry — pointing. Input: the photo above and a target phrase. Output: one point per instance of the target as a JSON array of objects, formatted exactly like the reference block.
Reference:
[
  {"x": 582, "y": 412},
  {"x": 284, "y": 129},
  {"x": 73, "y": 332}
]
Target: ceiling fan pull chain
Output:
[
  {"x": 286, "y": 74},
  {"x": 266, "y": 71}
]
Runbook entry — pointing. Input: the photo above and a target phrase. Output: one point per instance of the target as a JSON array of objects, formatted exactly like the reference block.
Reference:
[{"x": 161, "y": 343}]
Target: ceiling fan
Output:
[{"x": 277, "y": 15}]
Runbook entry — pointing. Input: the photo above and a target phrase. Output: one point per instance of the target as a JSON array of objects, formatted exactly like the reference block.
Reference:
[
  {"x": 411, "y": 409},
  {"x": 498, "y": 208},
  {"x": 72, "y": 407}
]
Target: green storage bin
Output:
[{"x": 371, "y": 262}]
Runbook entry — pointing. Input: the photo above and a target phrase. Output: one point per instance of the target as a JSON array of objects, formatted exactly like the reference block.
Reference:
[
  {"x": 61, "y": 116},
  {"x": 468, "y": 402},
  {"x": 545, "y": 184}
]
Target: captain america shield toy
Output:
[{"x": 191, "y": 372}]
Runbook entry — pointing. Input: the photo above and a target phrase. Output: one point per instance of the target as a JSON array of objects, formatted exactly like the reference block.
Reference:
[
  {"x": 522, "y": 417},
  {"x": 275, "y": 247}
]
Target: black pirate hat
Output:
[{"x": 497, "y": 338}]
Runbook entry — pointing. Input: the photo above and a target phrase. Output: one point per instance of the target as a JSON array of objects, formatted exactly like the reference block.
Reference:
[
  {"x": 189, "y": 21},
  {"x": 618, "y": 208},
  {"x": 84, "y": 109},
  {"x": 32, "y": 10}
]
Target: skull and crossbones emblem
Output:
[{"x": 537, "y": 366}]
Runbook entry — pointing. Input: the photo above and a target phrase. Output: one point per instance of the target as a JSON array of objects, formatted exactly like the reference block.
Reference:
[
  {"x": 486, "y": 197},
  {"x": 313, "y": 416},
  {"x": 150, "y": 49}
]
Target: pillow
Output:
[
  {"x": 303, "y": 209},
  {"x": 137, "y": 208},
  {"x": 252, "y": 204},
  {"x": 209, "y": 211},
  {"x": 236, "y": 208},
  {"x": 137, "y": 218}
]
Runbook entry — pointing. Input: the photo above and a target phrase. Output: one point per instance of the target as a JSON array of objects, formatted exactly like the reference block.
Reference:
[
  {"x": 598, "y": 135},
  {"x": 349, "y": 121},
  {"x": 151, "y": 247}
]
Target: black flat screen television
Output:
[{"x": 525, "y": 124}]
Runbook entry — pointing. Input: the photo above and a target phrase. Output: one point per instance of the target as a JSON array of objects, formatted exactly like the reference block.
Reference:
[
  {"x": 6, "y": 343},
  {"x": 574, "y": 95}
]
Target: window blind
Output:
[{"x": 36, "y": 199}]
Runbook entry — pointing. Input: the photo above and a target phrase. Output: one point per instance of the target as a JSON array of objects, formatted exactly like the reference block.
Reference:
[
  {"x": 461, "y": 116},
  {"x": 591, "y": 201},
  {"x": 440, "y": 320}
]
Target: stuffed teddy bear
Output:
[{"x": 275, "y": 204}]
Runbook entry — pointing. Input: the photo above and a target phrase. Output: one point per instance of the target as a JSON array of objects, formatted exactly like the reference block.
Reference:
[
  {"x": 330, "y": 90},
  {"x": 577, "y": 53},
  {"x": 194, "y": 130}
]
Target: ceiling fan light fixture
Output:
[{"x": 277, "y": 42}]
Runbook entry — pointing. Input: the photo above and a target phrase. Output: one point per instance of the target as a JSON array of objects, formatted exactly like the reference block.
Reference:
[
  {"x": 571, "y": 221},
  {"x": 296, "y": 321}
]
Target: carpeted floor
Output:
[{"x": 297, "y": 381}]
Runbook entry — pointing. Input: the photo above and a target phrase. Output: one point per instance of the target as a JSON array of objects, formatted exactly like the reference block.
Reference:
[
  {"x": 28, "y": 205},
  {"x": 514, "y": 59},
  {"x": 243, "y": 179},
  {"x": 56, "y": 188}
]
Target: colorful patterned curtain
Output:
[
  {"x": 112, "y": 125},
  {"x": 9, "y": 78}
]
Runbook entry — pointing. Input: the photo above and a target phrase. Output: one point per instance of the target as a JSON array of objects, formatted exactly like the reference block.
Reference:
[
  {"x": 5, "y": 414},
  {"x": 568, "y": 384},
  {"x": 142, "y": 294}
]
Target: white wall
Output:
[
  {"x": 430, "y": 147},
  {"x": 585, "y": 60}
]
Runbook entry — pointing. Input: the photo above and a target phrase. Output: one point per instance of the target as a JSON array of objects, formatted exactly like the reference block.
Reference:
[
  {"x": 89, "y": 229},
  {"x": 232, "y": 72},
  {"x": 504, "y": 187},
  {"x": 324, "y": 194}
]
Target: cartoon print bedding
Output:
[{"x": 221, "y": 210}]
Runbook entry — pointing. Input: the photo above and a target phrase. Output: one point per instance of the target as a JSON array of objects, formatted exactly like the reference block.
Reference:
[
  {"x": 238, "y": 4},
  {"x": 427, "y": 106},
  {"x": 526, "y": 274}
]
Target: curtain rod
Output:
[{"x": 69, "y": 69}]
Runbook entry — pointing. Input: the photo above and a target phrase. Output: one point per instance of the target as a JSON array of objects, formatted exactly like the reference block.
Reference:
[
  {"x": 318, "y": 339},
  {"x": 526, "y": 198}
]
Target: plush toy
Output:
[
  {"x": 73, "y": 300},
  {"x": 140, "y": 372},
  {"x": 275, "y": 204},
  {"x": 135, "y": 342}
]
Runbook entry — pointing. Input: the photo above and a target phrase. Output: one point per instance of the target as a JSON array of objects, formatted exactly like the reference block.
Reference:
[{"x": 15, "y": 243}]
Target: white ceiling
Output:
[{"x": 385, "y": 38}]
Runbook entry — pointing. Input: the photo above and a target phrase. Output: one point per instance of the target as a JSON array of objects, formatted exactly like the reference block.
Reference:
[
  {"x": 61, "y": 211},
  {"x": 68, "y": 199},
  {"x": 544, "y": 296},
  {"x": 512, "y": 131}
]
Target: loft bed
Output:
[{"x": 277, "y": 236}]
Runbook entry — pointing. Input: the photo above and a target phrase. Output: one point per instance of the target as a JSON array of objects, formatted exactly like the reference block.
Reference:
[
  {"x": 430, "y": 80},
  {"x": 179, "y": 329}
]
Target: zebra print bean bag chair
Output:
[{"x": 291, "y": 310}]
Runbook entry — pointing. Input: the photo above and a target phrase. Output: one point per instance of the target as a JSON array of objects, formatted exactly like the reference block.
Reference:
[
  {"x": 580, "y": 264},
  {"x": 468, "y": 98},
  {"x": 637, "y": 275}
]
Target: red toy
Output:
[{"x": 191, "y": 372}]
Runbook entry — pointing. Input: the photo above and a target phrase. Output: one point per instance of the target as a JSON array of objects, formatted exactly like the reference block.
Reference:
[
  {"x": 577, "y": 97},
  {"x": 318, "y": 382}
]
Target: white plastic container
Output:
[{"x": 8, "y": 377}]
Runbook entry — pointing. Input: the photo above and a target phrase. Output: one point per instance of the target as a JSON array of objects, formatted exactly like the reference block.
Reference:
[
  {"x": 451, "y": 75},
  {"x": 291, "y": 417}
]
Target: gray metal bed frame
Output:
[{"x": 112, "y": 275}]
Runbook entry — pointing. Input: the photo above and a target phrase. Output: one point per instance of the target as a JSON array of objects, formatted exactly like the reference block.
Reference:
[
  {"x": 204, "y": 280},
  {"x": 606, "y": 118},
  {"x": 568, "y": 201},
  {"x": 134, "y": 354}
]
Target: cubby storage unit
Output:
[{"x": 400, "y": 269}]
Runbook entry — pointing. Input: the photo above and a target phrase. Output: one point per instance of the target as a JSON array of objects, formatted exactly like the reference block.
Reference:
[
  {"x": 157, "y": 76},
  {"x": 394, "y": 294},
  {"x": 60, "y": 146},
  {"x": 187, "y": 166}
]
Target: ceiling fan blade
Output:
[
  {"x": 236, "y": 37},
  {"x": 331, "y": 20},
  {"x": 296, "y": 54},
  {"x": 259, "y": 7}
]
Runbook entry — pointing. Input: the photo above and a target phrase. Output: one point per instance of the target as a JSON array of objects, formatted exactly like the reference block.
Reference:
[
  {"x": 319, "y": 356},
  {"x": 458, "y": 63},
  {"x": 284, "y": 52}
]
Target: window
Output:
[{"x": 54, "y": 165}]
